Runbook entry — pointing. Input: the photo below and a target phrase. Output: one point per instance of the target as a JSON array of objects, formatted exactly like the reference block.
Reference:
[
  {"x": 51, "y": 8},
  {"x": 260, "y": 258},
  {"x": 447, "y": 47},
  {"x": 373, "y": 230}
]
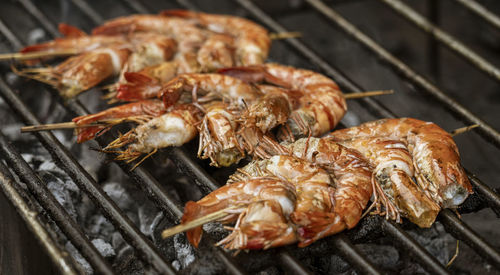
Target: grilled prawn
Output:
[
  {"x": 286, "y": 199},
  {"x": 100, "y": 58},
  {"x": 434, "y": 153},
  {"x": 251, "y": 41},
  {"x": 320, "y": 103},
  {"x": 174, "y": 128}
]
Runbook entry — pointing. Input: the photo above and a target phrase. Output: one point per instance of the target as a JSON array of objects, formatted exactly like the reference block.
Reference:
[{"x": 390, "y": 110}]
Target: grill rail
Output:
[
  {"x": 50, "y": 204},
  {"x": 443, "y": 37},
  {"x": 156, "y": 192},
  {"x": 14, "y": 193}
]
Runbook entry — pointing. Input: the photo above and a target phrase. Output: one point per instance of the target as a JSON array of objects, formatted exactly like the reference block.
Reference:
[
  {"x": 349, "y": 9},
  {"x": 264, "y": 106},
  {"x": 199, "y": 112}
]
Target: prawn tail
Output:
[
  {"x": 138, "y": 86},
  {"x": 315, "y": 225},
  {"x": 70, "y": 31},
  {"x": 88, "y": 133},
  {"x": 179, "y": 13},
  {"x": 192, "y": 211}
]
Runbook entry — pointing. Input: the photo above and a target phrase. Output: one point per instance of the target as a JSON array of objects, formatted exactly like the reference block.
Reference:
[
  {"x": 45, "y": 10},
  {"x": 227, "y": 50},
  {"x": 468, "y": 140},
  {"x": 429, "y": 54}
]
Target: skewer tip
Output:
[
  {"x": 368, "y": 94},
  {"x": 463, "y": 129}
]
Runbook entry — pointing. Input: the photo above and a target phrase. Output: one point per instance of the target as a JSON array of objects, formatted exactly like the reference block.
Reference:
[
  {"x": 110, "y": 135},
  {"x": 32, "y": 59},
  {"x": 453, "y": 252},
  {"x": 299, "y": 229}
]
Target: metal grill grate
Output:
[{"x": 157, "y": 193}]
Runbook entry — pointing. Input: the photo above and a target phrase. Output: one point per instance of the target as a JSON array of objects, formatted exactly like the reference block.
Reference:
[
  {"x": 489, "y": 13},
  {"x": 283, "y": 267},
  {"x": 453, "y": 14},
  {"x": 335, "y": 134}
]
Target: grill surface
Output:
[{"x": 285, "y": 258}]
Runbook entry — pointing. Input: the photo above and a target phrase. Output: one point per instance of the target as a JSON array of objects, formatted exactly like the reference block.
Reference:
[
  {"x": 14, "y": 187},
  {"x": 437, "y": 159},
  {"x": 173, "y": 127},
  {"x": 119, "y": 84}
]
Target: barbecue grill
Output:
[{"x": 49, "y": 220}]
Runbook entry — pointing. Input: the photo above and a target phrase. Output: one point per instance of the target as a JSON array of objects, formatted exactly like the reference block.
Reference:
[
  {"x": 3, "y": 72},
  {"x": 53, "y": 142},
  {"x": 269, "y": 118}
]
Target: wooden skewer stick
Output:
[
  {"x": 463, "y": 129},
  {"x": 35, "y": 55},
  {"x": 367, "y": 94},
  {"x": 284, "y": 35},
  {"x": 47, "y": 127},
  {"x": 197, "y": 222},
  {"x": 73, "y": 125}
]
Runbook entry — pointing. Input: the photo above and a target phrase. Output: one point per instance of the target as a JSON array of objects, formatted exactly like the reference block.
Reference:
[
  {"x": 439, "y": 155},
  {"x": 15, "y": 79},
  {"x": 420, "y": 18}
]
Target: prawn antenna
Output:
[
  {"x": 197, "y": 222},
  {"x": 73, "y": 125},
  {"x": 368, "y": 94},
  {"x": 35, "y": 55}
]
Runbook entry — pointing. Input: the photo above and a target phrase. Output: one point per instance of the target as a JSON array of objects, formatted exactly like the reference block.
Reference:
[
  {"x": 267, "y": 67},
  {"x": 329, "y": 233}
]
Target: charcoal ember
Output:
[
  {"x": 384, "y": 256},
  {"x": 272, "y": 270},
  {"x": 473, "y": 203},
  {"x": 435, "y": 240},
  {"x": 333, "y": 264}
]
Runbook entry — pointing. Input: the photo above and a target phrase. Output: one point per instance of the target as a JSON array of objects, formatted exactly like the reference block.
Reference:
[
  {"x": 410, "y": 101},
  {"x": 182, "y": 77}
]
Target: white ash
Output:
[
  {"x": 78, "y": 258},
  {"x": 184, "y": 251},
  {"x": 351, "y": 119},
  {"x": 62, "y": 190},
  {"x": 11, "y": 79},
  {"x": 36, "y": 36},
  {"x": 149, "y": 218},
  {"x": 104, "y": 248},
  {"x": 118, "y": 194}
]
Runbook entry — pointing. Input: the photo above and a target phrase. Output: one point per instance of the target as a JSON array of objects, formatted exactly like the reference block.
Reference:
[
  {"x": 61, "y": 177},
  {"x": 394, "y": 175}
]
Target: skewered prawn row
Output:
[
  {"x": 196, "y": 42},
  {"x": 435, "y": 164},
  {"x": 248, "y": 112},
  {"x": 287, "y": 199}
]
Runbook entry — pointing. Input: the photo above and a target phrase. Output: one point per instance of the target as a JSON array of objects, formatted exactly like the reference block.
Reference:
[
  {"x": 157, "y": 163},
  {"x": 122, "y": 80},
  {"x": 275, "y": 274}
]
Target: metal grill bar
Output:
[
  {"x": 88, "y": 10},
  {"x": 443, "y": 37},
  {"x": 15, "y": 43},
  {"x": 87, "y": 184},
  {"x": 482, "y": 12},
  {"x": 62, "y": 260},
  {"x": 40, "y": 17},
  {"x": 348, "y": 251},
  {"x": 492, "y": 198},
  {"x": 463, "y": 232},
  {"x": 50, "y": 204},
  {"x": 484, "y": 129}
]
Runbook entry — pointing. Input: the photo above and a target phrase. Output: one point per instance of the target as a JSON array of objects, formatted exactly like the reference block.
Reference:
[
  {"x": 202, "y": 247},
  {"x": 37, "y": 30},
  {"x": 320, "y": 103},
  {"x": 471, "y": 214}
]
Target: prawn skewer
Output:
[
  {"x": 435, "y": 156},
  {"x": 321, "y": 104},
  {"x": 287, "y": 199}
]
